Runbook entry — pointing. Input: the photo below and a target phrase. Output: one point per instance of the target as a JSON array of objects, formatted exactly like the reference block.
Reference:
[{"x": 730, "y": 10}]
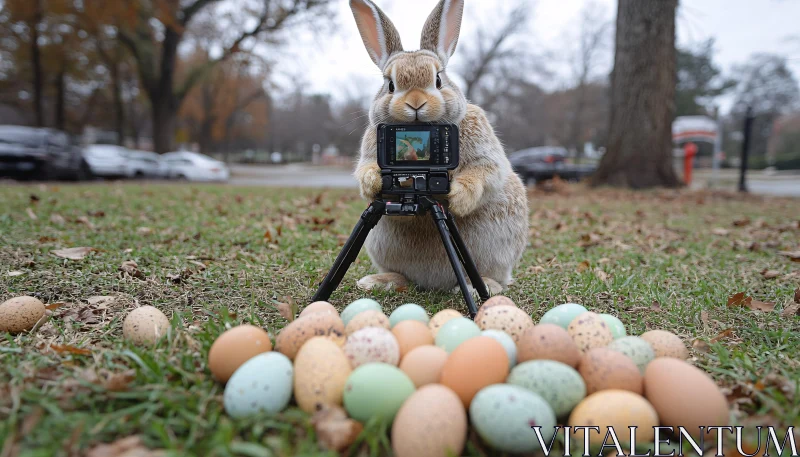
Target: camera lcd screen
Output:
[{"x": 412, "y": 146}]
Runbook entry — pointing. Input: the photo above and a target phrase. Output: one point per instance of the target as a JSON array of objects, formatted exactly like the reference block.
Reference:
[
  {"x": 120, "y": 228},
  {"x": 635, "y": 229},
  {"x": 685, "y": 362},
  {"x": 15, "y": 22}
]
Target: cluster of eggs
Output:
[{"x": 501, "y": 373}]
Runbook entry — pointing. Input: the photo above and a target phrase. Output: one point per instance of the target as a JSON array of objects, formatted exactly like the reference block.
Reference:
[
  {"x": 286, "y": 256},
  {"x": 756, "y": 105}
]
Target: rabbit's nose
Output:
[{"x": 419, "y": 105}]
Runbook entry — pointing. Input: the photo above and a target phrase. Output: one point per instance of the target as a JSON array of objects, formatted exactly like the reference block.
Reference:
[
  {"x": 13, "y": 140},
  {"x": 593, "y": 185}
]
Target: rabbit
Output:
[{"x": 486, "y": 197}]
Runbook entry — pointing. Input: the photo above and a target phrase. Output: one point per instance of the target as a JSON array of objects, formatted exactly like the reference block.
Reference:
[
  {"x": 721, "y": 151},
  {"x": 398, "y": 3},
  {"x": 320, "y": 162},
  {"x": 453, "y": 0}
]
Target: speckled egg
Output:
[
  {"x": 368, "y": 318},
  {"x": 615, "y": 325},
  {"x": 558, "y": 383},
  {"x": 20, "y": 314},
  {"x": 441, "y": 318},
  {"x": 263, "y": 384},
  {"x": 604, "y": 369},
  {"x": 372, "y": 344},
  {"x": 666, "y": 344},
  {"x": 503, "y": 415},
  {"x": 475, "y": 364},
  {"x": 496, "y": 300},
  {"x": 292, "y": 337},
  {"x": 145, "y": 325},
  {"x": 636, "y": 348},
  {"x": 424, "y": 364},
  {"x": 590, "y": 331},
  {"x": 684, "y": 395},
  {"x": 409, "y": 311},
  {"x": 234, "y": 347},
  {"x": 376, "y": 390},
  {"x": 509, "y": 319},
  {"x": 316, "y": 307},
  {"x": 358, "y": 306},
  {"x": 618, "y": 409},
  {"x": 507, "y": 342},
  {"x": 455, "y": 332},
  {"x": 548, "y": 342},
  {"x": 431, "y": 423},
  {"x": 411, "y": 334},
  {"x": 563, "y": 315},
  {"x": 320, "y": 373}
]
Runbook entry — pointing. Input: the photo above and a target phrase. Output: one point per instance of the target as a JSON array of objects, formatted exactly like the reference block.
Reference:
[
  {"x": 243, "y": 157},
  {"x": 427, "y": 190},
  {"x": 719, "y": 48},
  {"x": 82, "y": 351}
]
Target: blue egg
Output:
[
  {"x": 562, "y": 315},
  {"x": 263, "y": 384},
  {"x": 358, "y": 306},
  {"x": 508, "y": 344},
  {"x": 408, "y": 312},
  {"x": 456, "y": 331},
  {"x": 615, "y": 325}
]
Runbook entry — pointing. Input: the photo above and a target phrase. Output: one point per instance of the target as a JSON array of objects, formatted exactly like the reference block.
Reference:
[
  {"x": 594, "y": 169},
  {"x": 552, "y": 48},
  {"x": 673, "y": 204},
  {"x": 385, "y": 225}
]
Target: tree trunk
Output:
[
  {"x": 36, "y": 63},
  {"x": 163, "y": 99},
  {"x": 164, "y": 119},
  {"x": 61, "y": 105},
  {"x": 642, "y": 98},
  {"x": 119, "y": 105}
]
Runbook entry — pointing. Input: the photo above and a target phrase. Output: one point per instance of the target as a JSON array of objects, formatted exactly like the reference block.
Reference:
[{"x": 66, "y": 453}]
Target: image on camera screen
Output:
[{"x": 412, "y": 146}]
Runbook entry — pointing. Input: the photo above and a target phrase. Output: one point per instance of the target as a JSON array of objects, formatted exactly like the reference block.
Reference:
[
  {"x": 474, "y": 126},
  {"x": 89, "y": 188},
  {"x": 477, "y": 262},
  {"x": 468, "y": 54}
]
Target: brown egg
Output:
[
  {"x": 294, "y": 335},
  {"x": 364, "y": 319},
  {"x": 473, "y": 365},
  {"x": 497, "y": 300},
  {"x": 588, "y": 330},
  {"x": 316, "y": 307},
  {"x": 684, "y": 395},
  {"x": 666, "y": 344},
  {"x": 617, "y": 409},
  {"x": 604, "y": 369},
  {"x": 235, "y": 347},
  {"x": 411, "y": 334},
  {"x": 424, "y": 364},
  {"x": 440, "y": 319},
  {"x": 431, "y": 423},
  {"x": 549, "y": 342},
  {"x": 20, "y": 314},
  {"x": 320, "y": 374},
  {"x": 145, "y": 325},
  {"x": 506, "y": 318}
]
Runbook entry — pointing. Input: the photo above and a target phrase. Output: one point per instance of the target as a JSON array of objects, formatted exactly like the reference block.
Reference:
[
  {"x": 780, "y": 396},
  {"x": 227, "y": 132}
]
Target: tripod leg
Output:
[
  {"x": 466, "y": 259},
  {"x": 439, "y": 219},
  {"x": 369, "y": 219}
]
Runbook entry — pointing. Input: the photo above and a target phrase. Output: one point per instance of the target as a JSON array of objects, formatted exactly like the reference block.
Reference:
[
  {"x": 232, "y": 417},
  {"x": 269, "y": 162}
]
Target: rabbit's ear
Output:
[
  {"x": 441, "y": 30},
  {"x": 379, "y": 35}
]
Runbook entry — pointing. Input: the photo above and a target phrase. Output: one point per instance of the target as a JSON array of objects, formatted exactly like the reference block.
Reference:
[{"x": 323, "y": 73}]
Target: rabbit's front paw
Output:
[
  {"x": 369, "y": 181},
  {"x": 461, "y": 200}
]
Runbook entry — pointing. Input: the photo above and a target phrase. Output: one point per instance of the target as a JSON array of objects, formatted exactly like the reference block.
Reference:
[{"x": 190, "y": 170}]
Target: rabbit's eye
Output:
[
  {"x": 438, "y": 81},
  {"x": 391, "y": 86}
]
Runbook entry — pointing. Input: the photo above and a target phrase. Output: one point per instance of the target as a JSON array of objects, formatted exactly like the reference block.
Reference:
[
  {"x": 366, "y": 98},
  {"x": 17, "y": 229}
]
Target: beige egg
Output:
[
  {"x": 320, "y": 373},
  {"x": 20, "y": 314},
  {"x": 431, "y": 423},
  {"x": 411, "y": 334},
  {"x": 506, "y": 318},
  {"x": 497, "y": 300},
  {"x": 617, "y": 409},
  {"x": 295, "y": 335},
  {"x": 145, "y": 325},
  {"x": 590, "y": 331},
  {"x": 234, "y": 347},
  {"x": 548, "y": 342},
  {"x": 316, "y": 307},
  {"x": 440, "y": 319},
  {"x": 371, "y": 345},
  {"x": 604, "y": 369},
  {"x": 424, "y": 364},
  {"x": 666, "y": 344},
  {"x": 364, "y": 319}
]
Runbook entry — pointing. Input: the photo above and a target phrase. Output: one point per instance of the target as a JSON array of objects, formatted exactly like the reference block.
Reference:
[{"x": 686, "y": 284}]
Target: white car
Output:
[
  {"x": 194, "y": 167},
  {"x": 144, "y": 164},
  {"x": 106, "y": 160}
]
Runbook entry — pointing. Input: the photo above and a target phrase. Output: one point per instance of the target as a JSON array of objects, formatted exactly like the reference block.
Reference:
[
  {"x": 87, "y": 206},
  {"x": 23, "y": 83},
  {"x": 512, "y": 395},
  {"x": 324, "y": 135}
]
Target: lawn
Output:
[{"x": 213, "y": 256}]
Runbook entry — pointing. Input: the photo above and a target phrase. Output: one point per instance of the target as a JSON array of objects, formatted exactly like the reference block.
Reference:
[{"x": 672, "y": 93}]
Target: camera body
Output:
[{"x": 415, "y": 159}]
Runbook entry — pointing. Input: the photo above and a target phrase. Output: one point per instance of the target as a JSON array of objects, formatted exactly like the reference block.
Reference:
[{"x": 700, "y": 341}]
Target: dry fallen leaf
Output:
[
  {"x": 761, "y": 306},
  {"x": 719, "y": 231},
  {"x": 285, "y": 310},
  {"x": 118, "y": 382},
  {"x": 724, "y": 334},
  {"x": 57, "y": 219},
  {"x": 101, "y": 300},
  {"x": 589, "y": 240},
  {"x": 31, "y": 214},
  {"x": 15, "y": 273},
  {"x": 741, "y": 222},
  {"x": 770, "y": 274},
  {"x": 65, "y": 348},
  {"x": 791, "y": 310},
  {"x": 73, "y": 253},
  {"x": 334, "y": 429},
  {"x": 132, "y": 446},
  {"x": 85, "y": 221},
  {"x": 794, "y": 256},
  {"x": 53, "y": 306},
  {"x": 601, "y": 275},
  {"x": 583, "y": 266},
  {"x": 797, "y": 295},
  {"x": 739, "y": 300},
  {"x": 130, "y": 268},
  {"x": 144, "y": 231},
  {"x": 536, "y": 269},
  {"x": 701, "y": 346}
]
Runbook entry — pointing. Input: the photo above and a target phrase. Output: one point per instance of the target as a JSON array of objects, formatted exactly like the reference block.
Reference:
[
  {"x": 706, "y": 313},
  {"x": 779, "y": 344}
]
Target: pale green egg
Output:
[
  {"x": 615, "y": 325},
  {"x": 456, "y": 331},
  {"x": 376, "y": 390},
  {"x": 562, "y": 315},
  {"x": 408, "y": 312},
  {"x": 358, "y": 306},
  {"x": 636, "y": 348},
  {"x": 559, "y": 384},
  {"x": 508, "y": 344},
  {"x": 263, "y": 384}
]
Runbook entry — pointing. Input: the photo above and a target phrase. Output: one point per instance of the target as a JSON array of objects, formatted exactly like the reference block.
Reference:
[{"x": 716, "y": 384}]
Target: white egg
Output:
[{"x": 263, "y": 384}]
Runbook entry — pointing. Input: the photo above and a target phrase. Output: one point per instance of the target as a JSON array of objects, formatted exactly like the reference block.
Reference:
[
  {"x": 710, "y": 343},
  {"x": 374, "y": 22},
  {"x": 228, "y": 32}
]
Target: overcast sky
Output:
[{"x": 740, "y": 27}]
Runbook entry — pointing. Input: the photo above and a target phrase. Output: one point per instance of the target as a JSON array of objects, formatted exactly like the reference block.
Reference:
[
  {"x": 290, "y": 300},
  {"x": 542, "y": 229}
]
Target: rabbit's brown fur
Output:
[{"x": 487, "y": 197}]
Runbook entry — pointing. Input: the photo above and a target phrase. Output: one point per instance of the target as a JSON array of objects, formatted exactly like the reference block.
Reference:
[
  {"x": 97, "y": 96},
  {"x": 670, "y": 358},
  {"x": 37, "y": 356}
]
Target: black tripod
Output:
[{"x": 414, "y": 205}]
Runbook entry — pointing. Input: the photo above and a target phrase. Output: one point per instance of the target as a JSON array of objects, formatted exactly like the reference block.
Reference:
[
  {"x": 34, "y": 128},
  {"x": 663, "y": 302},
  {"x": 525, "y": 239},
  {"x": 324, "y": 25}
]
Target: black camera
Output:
[{"x": 416, "y": 159}]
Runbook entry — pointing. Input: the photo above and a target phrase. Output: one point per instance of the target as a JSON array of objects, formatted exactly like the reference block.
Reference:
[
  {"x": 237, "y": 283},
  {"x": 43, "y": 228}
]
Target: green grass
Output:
[{"x": 666, "y": 268}]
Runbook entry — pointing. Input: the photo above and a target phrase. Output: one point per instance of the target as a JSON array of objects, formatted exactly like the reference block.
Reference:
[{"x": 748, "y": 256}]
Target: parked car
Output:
[
  {"x": 194, "y": 167},
  {"x": 542, "y": 155},
  {"x": 107, "y": 160},
  {"x": 40, "y": 153},
  {"x": 145, "y": 164}
]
